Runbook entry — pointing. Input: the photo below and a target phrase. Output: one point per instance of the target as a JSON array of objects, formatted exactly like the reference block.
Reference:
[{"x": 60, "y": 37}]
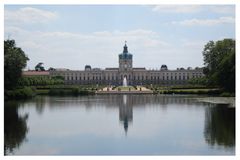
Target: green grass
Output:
[{"x": 122, "y": 88}]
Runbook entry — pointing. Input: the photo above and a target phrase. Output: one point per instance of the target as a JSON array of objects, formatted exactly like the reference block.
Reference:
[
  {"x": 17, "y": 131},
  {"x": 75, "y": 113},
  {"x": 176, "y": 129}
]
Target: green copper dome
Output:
[{"x": 125, "y": 54}]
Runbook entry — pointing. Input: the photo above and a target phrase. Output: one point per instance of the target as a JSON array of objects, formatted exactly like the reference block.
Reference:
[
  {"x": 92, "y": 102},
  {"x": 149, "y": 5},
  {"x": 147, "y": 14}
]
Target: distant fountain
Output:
[{"x": 125, "y": 82}]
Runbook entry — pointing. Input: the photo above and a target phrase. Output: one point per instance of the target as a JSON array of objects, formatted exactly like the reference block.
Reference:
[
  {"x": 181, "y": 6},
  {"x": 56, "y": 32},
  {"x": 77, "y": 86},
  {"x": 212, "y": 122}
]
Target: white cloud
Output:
[
  {"x": 28, "y": 15},
  {"x": 205, "y": 22},
  {"x": 74, "y": 50},
  {"x": 220, "y": 9},
  {"x": 177, "y": 8},
  {"x": 101, "y": 49}
]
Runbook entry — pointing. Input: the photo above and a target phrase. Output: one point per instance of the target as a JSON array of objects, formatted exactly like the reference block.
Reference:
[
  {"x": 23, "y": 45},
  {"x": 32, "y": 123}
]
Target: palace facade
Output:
[{"x": 134, "y": 76}]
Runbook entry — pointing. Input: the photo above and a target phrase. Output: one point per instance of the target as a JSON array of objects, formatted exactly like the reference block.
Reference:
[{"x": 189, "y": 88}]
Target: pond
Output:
[{"x": 118, "y": 125}]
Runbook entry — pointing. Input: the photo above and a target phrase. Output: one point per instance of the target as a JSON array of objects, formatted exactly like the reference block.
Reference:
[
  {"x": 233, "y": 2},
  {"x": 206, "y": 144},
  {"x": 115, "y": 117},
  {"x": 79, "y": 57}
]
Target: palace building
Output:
[{"x": 134, "y": 76}]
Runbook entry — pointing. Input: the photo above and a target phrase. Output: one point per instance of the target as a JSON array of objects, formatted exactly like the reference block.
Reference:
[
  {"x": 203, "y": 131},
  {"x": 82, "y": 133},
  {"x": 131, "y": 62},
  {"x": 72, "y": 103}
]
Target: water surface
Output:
[{"x": 118, "y": 125}]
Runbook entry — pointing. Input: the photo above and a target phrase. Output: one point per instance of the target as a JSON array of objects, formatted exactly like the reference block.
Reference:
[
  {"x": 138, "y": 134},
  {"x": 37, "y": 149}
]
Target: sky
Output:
[{"x": 72, "y": 36}]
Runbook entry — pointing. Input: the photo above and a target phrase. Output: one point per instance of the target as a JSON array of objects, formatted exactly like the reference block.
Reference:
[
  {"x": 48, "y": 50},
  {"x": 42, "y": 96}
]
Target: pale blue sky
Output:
[{"x": 70, "y": 36}]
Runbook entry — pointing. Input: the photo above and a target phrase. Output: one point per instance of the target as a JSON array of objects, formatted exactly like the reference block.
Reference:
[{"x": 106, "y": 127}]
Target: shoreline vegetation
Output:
[
  {"x": 51, "y": 90},
  {"x": 25, "y": 92},
  {"x": 191, "y": 89}
]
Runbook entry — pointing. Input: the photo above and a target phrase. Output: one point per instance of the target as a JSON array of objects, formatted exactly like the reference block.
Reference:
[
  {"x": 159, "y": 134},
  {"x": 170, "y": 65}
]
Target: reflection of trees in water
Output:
[
  {"x": 125, "y": 103},
  {"x": 40, "y": 102},
  {"x": 114, "y": 100},
  {"x": 154, "y": 100},
  {"x": 15, "y": 127},
  {"x": 220, "y": 126}
]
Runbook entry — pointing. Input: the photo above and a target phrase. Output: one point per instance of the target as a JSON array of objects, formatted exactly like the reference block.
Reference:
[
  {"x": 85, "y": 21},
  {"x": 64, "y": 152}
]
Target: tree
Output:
[
  {"x": 39, "y": 67},
  {"x": 198, "y": 81},
  {"x": 14, "y": 61},
  {"x": 219, "y": 61},
  {"x": 226, "y": 73}
]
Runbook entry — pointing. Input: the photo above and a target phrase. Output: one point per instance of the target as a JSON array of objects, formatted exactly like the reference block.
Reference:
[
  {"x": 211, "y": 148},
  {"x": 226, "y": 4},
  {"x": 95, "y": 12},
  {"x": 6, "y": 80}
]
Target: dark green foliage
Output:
[
  {"x": 39, "y": 67},
  {"x": 189, "y": 87},
  {"x": 40, "y": 81},
  {"x": 61, "y": 92},
  {"x": 21, "y": 93},
  {"x": 85, "y": 92},
  {"x": 198, "y": 81},
  {"x": 70, "y": 91},
  {"x": 219, "y": 59},
  {"x": 180, "y": 87},
  {"x": 226, "y": 72},
  {"x": 42, "y": 91},
  {"x": 14, "y": 61},
  {"x": 190, "y": 91},
  {"x": 75, "y": 91}
]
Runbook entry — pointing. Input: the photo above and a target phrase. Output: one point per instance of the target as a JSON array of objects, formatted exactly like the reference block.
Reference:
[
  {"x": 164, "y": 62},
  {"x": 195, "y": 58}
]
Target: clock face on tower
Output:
[{"x": 125, "y": 65}]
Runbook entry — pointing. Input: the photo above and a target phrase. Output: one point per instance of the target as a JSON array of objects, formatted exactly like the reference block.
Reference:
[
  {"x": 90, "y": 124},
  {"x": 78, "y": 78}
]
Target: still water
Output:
[{"x": 118, "y": 125}]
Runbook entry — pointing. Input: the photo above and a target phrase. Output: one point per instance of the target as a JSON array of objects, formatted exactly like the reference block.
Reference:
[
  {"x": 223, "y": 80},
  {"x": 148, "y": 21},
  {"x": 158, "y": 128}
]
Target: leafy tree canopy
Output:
[
  {"x": 14, "y": 61},
  {"x": 219, "y": 61},
  {"x": 39, "y": 67}
]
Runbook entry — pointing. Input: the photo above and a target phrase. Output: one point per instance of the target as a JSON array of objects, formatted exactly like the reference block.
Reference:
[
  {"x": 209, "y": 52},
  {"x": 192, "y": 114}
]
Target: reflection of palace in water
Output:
[
  {"x": 126, "y": 112},
  {"x": 125, "y": 103}
]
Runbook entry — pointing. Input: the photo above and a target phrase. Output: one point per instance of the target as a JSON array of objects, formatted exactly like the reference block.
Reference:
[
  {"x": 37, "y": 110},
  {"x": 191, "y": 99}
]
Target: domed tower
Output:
[{"x": 125, "y": 59}]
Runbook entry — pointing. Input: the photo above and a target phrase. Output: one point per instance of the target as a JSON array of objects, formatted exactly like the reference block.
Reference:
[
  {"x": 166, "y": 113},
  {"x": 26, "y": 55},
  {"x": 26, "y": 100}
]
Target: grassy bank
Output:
[
  {"x": 59, "y": 90},
  {"x": 205, "y": 91},
  {"x": 189, "y": 89}
]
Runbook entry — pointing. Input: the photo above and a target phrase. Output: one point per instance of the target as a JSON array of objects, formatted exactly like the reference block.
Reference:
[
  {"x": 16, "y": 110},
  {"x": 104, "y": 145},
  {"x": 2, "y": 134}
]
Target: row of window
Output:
[
  {"x": 134, "y": 78},
  {"x": 151, "y": 74}
]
